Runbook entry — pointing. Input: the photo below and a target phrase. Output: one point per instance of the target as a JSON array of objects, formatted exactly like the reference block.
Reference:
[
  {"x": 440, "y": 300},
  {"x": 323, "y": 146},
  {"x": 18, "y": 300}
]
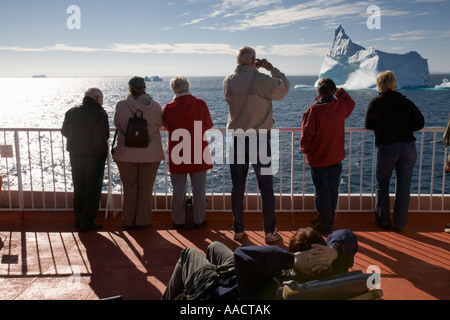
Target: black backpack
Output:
[{"x": 136, "y": 135}]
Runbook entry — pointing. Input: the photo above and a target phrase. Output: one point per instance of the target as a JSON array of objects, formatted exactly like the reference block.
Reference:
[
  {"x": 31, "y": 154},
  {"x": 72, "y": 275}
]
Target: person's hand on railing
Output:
[{"x": 447, "y": 167}]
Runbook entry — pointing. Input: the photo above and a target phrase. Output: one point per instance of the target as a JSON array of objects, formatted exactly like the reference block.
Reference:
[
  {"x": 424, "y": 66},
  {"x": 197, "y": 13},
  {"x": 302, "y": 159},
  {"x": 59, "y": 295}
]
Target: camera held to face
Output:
[{"x": 259, "y": 63}]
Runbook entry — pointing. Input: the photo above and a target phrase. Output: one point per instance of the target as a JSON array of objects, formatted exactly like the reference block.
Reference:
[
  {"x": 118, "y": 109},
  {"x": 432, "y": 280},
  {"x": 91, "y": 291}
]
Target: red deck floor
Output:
[{"x": 43, "y": 258}]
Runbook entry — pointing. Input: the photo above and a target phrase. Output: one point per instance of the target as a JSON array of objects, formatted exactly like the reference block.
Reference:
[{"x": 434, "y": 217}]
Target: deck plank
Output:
[{"x": 44, "y": 258}]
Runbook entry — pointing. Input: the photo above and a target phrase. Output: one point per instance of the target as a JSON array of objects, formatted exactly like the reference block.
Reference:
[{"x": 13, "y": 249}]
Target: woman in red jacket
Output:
[
  {"x": 323, "y": 143},
  {"x": 187, "y": 118}
]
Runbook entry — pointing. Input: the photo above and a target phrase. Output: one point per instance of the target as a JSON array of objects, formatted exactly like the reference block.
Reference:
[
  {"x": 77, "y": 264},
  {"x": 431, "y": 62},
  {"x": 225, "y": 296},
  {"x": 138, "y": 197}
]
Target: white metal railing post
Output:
[
  {"x": 361, "y": 172},
  {"x": 109, "y": 196},
  {"x": 349, "y": 156},
  {"x": 19, "y": 171},
  {"x": 292, "y": 172},
  {"x": 42, "y": 165},
  {"x": 432, "y": 169},
  {"x": 443, "y": 177}
]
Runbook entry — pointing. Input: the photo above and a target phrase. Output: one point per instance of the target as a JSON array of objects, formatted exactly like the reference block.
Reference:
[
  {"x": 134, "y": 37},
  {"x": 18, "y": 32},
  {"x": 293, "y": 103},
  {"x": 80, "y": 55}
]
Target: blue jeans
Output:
[
  {"x": 242, "y": 153},
  {"x": 402, "y": 157},
  {"x": 326, "y": 184}
]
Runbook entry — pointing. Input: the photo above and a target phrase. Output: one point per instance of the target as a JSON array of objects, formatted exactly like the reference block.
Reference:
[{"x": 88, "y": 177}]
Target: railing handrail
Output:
[
  {"x": 292, "y": 165},
  {"x": 281, "y": 129}
]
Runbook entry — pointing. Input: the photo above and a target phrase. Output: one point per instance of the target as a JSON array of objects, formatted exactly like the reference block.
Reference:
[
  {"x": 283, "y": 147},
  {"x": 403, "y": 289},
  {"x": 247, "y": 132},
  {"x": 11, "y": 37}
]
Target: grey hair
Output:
[
  {"x": 179, "y": 84},
  {"x": 93, "y": 93},
  {"x": 245, "y": 55}
]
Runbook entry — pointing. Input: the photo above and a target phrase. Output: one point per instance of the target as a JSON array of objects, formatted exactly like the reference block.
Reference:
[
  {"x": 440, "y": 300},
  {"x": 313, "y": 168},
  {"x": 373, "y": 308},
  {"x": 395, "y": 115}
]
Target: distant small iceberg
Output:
[
  {"x": 303, "y": 86},
  {"x": 444, "y": 85},
  {"x": 153, "y": 79},
  {"x": 39, "y": 76}
]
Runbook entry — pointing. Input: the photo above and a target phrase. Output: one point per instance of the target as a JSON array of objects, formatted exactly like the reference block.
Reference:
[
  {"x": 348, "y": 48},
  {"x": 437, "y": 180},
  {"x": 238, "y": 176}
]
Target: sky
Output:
[{"x": 200, "y": 37}]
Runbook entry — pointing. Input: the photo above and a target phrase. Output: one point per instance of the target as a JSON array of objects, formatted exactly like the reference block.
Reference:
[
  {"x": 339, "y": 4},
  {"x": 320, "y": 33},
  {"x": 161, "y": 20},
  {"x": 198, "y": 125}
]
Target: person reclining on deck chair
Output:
[{"x": 256, "y": 272}]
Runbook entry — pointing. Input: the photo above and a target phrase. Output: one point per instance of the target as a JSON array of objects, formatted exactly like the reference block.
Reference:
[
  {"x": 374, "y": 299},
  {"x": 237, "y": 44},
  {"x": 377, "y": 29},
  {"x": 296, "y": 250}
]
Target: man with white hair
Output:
[
  {"x": 249, "y": 94},
  {"x": 86, "y": 128}
]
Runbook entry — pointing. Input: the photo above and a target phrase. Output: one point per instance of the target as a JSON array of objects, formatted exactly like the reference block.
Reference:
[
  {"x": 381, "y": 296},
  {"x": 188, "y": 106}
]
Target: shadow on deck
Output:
[{"x": 43, "y": 258}]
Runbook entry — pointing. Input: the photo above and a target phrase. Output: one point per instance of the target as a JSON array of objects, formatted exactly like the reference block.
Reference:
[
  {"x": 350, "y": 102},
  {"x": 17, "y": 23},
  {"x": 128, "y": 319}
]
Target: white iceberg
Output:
[
  {"x": 354, "y": 67},
  {"x": 304, "y": 86},
  {"x": 444, "y": 85},
  {"x": 153, "y": 79}
]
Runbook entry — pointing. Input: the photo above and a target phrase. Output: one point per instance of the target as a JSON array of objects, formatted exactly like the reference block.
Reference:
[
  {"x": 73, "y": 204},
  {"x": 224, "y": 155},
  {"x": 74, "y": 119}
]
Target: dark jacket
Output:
[
  {"x": 255, "y": 268},
  {"x": 393, "y": 118},
  {"x": 86, "y": 128}
]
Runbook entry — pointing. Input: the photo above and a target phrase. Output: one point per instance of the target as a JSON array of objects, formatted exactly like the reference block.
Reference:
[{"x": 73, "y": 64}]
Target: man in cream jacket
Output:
[{"x": 249, "y": 94}]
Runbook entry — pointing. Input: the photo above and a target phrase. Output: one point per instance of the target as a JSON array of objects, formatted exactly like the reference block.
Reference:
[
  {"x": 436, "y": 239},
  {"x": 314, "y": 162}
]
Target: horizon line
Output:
[{"x": 166, "y": 76}]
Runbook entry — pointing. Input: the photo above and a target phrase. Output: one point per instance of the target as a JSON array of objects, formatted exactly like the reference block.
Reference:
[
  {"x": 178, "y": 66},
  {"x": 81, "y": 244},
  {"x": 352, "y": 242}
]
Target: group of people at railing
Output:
[
  {"x": 249, "y": 94},
  {"x": 223, "y": 274}
]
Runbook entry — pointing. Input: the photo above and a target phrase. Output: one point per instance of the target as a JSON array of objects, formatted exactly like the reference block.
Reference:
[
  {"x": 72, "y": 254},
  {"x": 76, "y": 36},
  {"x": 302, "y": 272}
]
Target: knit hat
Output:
[{"x": 137, "y": 82}]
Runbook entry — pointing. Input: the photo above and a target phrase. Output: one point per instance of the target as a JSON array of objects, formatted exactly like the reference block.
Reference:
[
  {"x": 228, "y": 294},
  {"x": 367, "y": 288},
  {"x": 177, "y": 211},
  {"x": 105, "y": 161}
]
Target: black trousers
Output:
[{"x": 87, "y": 176}]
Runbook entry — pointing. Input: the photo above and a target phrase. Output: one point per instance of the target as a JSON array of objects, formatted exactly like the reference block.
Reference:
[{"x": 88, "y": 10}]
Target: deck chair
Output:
[{"x": 347, "y": 286}]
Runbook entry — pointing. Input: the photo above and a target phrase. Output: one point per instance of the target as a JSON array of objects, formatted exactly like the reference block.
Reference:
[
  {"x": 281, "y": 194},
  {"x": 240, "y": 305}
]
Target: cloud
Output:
[
  {"x": 137, "y": 48},
  {"x": 318, "y": 49},
  {"x": 228, "y": 6},
  {"x": 195, "y": 21},
  {"x": 408, "y": 36},
  {"x": 415, "y": 35},
  {"x": 231, "y": 8},
  {"x": 428, "y": 1},
  {"x": 56, "y": 47},
  {"x": 274, "y": 14},
  {"x": 180, "y": 48}
]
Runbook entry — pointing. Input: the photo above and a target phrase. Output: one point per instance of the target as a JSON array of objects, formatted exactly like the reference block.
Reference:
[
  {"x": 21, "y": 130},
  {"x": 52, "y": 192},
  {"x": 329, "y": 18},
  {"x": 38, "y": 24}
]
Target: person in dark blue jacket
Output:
[
  {"x": 393, "y": 119},
  {"x": 86, "y": 128},
  {"x": 250, "y": 272}
]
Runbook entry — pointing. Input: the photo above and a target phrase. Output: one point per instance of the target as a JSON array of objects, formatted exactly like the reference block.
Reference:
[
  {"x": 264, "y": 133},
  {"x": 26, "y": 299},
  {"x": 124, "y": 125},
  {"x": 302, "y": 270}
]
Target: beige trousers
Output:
[{"x": 138, "y": 180}]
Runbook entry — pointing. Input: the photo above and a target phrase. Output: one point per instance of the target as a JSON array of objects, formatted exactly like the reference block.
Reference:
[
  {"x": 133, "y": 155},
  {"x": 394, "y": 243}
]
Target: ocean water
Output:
[{"x": 42, "y": 103}]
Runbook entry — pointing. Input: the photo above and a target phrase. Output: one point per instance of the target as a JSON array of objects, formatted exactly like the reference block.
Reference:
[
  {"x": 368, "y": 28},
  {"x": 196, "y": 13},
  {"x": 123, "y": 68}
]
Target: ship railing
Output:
[{"x": 36, "y": 174}]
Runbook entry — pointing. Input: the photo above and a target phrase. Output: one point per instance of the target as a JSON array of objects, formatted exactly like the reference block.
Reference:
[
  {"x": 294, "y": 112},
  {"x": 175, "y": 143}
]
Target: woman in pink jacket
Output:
[{"x": 138, "y": 166}]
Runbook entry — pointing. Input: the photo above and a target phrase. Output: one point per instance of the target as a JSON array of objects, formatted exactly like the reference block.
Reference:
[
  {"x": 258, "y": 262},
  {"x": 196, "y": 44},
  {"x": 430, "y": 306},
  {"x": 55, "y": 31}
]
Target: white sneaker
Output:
[
  {"x": 239, "y": 235},
  {"x": 273, "y": 237}
]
